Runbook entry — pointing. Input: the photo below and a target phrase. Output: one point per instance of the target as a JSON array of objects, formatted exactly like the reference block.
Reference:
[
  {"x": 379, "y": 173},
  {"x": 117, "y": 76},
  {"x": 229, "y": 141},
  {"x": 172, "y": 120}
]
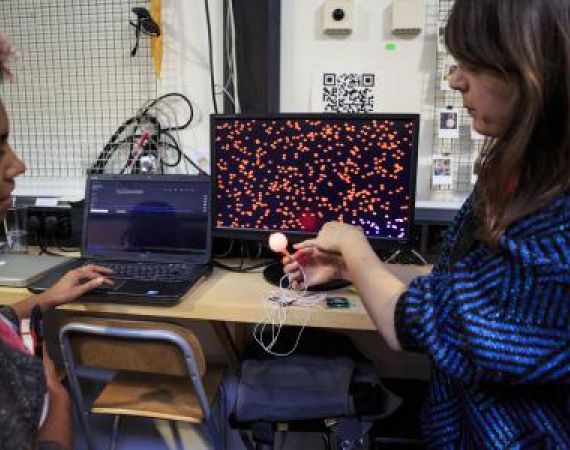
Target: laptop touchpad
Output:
[{"x": 150, "y": 288}]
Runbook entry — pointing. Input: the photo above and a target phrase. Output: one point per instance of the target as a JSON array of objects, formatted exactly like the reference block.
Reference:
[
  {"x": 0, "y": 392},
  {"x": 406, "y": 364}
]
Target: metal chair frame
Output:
[{"x": 135, "y": 334}]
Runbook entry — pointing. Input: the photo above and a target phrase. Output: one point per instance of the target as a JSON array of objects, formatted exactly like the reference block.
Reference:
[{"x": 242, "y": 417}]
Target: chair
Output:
[
  {"x": 303, "y": 388},
  {"x": 160, "y": 373}
]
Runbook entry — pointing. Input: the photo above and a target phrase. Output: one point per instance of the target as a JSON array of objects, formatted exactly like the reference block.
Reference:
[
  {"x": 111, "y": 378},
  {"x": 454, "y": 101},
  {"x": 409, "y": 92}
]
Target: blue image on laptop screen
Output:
[
  {"x": 293, "y": 174},
  {"x": 134, "y": 216}
]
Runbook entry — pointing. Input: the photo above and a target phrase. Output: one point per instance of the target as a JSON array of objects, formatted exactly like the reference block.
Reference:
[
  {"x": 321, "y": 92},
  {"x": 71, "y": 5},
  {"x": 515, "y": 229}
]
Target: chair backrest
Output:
[
  {"x": 150, "y": 347},
  {"x": 153, "y": 348}
]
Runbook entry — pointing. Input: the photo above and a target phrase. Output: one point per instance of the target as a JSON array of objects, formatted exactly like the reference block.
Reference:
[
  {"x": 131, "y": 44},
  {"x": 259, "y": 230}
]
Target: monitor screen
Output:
[
  {"x": 292, "y": 173},
  {"x": 158, "y": 214}
]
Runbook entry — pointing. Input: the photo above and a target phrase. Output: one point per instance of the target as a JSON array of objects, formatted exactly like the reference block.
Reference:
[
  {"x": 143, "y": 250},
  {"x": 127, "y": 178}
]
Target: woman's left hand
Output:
[
  {"x": 58, "y": 425},
  {"x": 74, "y": 284}
]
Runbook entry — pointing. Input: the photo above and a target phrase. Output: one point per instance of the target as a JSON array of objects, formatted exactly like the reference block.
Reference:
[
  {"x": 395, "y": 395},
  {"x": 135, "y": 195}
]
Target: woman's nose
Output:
[
  {"x": 17, "y": 167},
  {"x": 457, "y": 80}
]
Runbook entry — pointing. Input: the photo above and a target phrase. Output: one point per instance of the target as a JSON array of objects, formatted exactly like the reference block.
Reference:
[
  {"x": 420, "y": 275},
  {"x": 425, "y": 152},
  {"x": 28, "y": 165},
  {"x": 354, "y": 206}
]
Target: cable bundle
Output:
[{"x": 148, "y": 141}]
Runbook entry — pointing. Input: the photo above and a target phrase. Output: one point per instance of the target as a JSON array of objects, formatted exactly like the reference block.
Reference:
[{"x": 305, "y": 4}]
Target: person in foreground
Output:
[
  {"x": 35, "y": 411},
  {"x": 494, "y": 313}
]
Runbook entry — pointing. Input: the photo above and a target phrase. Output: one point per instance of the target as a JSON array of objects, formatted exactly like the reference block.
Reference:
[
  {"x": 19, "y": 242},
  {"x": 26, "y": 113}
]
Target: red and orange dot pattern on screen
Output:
[{"x": 294, "y": 175}]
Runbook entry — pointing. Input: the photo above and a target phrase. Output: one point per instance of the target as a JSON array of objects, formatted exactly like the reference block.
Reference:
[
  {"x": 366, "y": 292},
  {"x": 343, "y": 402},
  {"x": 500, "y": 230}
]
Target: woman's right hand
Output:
[
  {"x": 317, "y": 266},
  {"x": 74, "y": 284}
]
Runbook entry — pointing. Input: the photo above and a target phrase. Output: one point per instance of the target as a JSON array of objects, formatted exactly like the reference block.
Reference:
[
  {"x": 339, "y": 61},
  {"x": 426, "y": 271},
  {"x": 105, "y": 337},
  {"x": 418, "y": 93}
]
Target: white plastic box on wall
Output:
[
  {"x": 407, "y": 17},
  {"x": 338, "y": 16}
]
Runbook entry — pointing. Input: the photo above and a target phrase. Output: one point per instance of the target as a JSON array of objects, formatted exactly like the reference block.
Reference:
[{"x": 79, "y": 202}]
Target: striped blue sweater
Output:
[{"x": 497, "y": 327}]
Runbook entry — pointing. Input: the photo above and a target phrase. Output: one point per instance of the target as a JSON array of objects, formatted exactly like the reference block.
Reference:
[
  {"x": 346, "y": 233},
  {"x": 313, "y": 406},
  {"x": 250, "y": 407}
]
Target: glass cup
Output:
[{"x": 15, "y": 227}]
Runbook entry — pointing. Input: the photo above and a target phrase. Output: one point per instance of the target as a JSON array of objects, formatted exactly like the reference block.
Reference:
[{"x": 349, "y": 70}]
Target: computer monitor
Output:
[{"x": 294, "y": 172}]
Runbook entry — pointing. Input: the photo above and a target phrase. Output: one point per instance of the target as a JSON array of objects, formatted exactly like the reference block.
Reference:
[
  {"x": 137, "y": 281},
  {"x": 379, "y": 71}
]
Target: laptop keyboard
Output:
[{"x": 149, "y": 271}]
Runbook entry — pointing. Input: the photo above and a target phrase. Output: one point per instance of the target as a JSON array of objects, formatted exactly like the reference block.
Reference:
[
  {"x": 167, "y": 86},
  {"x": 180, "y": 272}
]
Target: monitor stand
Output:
[{"x": 274, "y": 272}]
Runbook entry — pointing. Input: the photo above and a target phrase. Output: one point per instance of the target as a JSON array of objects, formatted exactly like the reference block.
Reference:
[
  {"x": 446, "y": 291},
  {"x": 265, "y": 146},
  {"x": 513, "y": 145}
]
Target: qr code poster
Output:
[{"x": 346, "y": 92}]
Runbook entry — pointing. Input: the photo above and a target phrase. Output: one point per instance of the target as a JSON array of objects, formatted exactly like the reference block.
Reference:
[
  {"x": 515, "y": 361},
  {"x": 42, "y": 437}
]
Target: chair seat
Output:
[{"x": 157, "y": 396}]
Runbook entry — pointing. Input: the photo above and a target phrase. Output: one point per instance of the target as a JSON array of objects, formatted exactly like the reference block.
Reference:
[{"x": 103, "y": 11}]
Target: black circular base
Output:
[{"x": 274, "y": 272}]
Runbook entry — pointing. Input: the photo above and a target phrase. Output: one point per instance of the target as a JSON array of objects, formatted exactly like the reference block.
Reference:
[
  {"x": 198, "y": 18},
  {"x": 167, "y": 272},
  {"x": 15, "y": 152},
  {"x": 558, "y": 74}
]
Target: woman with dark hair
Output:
[
  {"x": 35, "y": 411},
  {"x": 494, "y": 314}
]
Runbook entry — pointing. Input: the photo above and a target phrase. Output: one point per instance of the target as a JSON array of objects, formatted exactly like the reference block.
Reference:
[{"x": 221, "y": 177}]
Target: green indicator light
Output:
[{"x": 390, "y": 46}]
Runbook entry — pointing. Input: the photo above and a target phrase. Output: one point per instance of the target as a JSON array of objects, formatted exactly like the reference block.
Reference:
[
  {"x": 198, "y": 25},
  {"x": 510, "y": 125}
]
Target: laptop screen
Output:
[{"x": 148, "y": 214}]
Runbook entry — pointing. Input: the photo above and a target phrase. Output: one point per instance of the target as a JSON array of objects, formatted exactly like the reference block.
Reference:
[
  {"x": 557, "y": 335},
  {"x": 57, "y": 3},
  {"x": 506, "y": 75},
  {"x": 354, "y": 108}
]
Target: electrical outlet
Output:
[{"x": 49, "y": 225}]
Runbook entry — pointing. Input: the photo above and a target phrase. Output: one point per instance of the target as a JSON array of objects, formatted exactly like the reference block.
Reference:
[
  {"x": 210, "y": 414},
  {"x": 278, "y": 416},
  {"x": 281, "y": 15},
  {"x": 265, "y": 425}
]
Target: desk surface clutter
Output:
[{"x": 237, "y": 297}]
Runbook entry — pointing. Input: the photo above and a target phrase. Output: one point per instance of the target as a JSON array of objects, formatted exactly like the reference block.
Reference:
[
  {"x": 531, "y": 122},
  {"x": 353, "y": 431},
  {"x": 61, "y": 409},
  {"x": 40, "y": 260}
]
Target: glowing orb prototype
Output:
[{"x": 278, "y": 243}]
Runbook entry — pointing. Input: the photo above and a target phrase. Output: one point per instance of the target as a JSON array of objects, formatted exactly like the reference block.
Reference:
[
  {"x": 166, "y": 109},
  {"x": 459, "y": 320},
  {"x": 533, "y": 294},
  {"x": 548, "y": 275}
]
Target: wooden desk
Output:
[
  {"x": 235, "y": 297},
  {"x": 226, "y": 297}
]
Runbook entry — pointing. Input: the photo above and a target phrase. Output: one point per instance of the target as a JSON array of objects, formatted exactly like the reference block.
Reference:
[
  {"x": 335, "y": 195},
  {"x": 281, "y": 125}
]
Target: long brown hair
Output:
[{"x": 527, "y": 42}]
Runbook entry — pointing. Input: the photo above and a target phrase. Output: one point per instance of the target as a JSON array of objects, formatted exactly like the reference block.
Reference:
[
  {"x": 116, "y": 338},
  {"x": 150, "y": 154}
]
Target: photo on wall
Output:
[
  {"x": 449, "y": 66},
  {"x": 474, "y": 158},
  {"x": 441, "y": 170},
  {"x": 441, "y": 37},
  {"x": 448, "y": 123}
]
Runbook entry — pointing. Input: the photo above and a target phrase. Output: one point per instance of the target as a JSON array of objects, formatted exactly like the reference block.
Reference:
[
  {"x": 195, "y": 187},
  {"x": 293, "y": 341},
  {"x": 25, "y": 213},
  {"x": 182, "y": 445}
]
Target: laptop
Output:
[
  {"x": 19, "y": 270},
  {"x": 154, "y": 231}
]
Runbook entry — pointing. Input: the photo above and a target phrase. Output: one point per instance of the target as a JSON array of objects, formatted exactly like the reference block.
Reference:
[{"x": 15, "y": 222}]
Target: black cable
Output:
[
  {"x": 173, "y": 145},
  {"x": 57, "y": 245},
  {"x": 43, "y": 247},
  {"x": 180, "y": 154},
  {"x": 212, "y": 83},
  {"x": 156, "y": 136},
  {"x": 133, "y": 158},
  {"x": 112, "y": 145},
  {"x": 173, "y": 94},
  {"x": 51, "y": 223},
  {"x": 193, "y": 164},
  {"x": 241, "y": 268}
]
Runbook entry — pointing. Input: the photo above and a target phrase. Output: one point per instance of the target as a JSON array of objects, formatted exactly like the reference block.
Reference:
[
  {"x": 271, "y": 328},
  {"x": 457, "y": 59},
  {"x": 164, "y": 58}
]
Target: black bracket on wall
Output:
[{"x": 258, "y": 55}]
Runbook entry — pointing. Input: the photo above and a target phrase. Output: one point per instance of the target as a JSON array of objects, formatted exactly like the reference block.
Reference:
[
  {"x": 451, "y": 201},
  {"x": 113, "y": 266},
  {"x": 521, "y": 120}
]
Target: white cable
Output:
[
  {"x": 222, "y": 90},
  {"x": 276, "y": 316},
  {"x": 393, "y": 256},
  {"x": 420, "y": 257},
  {"x": 234, "y": 59},
  {"x": 412, "y": 251},
  {"x": 276, "y": 319}
]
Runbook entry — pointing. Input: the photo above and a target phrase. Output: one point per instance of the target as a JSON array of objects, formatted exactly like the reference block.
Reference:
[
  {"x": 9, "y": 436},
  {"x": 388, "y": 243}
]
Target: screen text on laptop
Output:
[{"x": 141, "y": 217}]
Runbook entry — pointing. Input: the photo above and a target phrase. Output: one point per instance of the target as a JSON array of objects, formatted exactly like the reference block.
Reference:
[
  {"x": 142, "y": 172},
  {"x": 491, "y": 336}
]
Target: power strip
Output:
[{"x": 51, "y": 225}]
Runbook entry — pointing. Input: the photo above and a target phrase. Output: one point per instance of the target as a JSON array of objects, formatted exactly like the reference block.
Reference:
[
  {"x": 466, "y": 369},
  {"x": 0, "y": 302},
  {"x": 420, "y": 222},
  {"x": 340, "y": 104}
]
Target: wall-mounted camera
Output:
[{"x": 338, "y": 16}]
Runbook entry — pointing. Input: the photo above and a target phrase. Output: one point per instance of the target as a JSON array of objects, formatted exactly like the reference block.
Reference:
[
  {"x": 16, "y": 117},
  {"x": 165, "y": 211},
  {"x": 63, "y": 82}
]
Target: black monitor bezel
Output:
[
  {"x": 203, "y": 257},
  {"x": 296, "y": 236}
]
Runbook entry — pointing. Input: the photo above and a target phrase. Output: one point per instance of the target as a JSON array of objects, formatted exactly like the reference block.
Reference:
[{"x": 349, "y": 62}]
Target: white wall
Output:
[
  {"x": 186, "y": 66},
  {"x": 408, "y": 82},
  {"x": 408, "y": 71}
]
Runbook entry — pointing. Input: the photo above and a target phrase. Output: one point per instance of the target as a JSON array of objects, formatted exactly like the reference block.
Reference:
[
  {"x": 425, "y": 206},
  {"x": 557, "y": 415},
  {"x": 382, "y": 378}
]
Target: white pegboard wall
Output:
[
  {"x": 463, "y": 149},
  {"x": 75, "y": 82}
]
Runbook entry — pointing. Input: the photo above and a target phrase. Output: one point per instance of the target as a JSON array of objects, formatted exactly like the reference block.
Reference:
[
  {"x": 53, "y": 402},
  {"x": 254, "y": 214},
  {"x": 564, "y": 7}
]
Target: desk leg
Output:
[{"x": 231, "y": 346}]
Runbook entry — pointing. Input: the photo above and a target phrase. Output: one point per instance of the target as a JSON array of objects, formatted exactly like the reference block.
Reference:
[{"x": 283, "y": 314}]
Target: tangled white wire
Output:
[{"x": 266, "y": 333}]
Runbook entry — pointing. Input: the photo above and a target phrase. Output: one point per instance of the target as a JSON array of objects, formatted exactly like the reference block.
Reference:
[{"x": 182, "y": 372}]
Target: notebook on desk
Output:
[{"x": 154, "y": 231}]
